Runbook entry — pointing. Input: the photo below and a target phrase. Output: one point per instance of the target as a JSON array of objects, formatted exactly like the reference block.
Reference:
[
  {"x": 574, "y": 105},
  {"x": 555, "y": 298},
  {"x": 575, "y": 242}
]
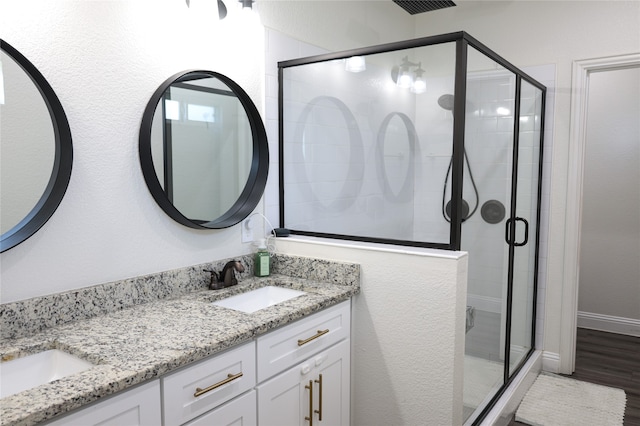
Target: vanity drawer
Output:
[
  {"x": 240, "y": 411},
  {"x": 216, "y": 380},
  {"x": 294, "y": 343}
]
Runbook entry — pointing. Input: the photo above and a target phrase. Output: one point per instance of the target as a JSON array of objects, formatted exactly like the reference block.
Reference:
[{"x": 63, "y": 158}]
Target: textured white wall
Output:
[
  {"x": 104, "y": 59},
  {"x": 338, "y": 24},
  {"x": 610, "y": 242},
  {"x": 407, "y": 331}
]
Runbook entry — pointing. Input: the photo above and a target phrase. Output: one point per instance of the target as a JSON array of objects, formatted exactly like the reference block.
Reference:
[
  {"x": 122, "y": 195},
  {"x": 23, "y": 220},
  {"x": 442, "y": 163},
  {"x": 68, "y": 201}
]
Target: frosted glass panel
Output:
[{"x": 364, "y": 156}]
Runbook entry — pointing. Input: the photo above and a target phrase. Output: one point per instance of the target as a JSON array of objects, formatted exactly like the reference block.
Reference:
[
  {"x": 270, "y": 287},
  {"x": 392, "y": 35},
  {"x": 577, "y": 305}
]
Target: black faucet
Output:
[{"x": 227, "y": 277}]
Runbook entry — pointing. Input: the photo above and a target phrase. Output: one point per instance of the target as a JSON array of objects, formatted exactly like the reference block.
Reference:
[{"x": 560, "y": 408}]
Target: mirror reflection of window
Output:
[
  {"x": 201, "y": 113},
  {"x": 172, "y": 109},
  {"x": 202, "y": 149}
]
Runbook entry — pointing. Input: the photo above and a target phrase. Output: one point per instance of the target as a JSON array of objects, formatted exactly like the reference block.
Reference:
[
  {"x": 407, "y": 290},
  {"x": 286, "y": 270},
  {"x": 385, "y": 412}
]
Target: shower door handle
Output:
[
  {"x": 508, "y": 233},
  {"x": 526, "y": 232}
]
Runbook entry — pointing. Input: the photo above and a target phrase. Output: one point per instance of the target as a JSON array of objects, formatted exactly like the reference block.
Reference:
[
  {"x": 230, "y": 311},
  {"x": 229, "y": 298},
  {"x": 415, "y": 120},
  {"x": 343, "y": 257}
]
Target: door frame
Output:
[{"x": 573, "y": 214}]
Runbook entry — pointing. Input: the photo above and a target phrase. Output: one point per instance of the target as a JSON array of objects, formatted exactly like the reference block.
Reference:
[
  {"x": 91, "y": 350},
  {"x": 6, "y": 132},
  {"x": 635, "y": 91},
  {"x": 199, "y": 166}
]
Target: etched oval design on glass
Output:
[
  {"x": 397, "y": 144},
  {"x": 330, "y": 160}
]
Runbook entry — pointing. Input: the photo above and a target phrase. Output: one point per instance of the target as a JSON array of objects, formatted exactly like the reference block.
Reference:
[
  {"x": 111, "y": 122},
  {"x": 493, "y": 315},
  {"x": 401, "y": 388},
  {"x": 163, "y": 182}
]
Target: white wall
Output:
[
  {"x": 610, "y": 239},
  {"x": 408, "y": 327},
  {"x": 104, "y": 59},
  {"x": 338, "y": 24}
]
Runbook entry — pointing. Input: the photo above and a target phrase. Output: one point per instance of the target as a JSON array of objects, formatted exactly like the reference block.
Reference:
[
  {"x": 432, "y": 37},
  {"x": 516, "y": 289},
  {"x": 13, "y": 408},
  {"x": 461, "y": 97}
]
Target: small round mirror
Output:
[
  {"x": 35, "y": 142},
  {"x": 204, "y": 150}
]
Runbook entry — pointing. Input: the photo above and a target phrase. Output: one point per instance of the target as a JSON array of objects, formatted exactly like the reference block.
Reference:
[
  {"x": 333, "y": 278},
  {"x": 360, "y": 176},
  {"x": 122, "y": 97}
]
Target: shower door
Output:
[
  {"x": 524, "y": 234},
  {"x": 489, "y": 149},
  {"x": 501, "y": 185}
]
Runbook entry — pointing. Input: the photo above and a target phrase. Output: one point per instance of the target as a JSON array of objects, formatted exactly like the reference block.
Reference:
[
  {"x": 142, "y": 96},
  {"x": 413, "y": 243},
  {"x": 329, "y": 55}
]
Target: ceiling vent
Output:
[{"x": 420, "y": 6}]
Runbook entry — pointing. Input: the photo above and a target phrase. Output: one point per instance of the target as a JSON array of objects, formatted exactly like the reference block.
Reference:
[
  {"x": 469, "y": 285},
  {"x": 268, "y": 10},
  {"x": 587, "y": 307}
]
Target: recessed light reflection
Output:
[{"x": 503, "y": 111}]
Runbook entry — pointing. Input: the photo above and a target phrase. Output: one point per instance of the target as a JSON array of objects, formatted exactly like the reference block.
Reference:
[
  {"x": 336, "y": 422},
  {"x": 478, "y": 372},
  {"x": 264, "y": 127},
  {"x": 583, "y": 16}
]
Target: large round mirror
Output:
[
  {"x": 203, "y": 150},
  {"x": 35, "y": 149}
]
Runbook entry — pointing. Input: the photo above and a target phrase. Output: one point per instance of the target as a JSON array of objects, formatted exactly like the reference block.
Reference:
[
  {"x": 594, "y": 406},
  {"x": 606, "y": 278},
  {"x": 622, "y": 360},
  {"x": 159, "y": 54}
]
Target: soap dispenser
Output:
[{"x": 263, "y": 260}]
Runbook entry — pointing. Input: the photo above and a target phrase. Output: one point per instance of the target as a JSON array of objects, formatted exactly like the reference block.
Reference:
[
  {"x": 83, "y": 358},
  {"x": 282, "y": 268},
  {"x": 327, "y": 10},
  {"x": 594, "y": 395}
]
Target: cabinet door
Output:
[
  {"x": 317, "y": 388},
  {"x": 281, "y": 400},
  {"x": 238, "y": 412},
  {"x": 331, "y": 393},
  {"x": 138, "y": 406}
]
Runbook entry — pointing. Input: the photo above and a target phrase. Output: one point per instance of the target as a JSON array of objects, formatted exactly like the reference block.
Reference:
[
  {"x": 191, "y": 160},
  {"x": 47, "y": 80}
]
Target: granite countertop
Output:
[{"x": 146, "y": 341}]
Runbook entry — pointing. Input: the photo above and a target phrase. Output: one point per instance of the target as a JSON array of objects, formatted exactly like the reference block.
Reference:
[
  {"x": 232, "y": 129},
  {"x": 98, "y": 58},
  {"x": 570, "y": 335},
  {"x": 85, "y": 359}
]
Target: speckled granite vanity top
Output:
[{"x": 141, "y": 338}]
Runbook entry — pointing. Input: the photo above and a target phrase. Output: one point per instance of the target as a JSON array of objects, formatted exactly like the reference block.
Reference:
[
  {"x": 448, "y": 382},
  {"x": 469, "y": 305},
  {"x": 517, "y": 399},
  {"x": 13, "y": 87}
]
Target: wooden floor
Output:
[{"x": 612, "y": 360}]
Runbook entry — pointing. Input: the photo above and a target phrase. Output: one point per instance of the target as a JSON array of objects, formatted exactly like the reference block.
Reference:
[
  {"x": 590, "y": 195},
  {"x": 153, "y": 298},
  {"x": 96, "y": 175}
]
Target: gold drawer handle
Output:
[
  {"x": 315, "y": 336},
  {"x": 230, "y": 378}
]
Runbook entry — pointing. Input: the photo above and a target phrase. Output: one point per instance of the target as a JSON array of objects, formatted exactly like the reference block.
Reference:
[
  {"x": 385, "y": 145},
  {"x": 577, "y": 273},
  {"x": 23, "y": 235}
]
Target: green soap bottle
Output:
[{"x": 263, "y": 261}]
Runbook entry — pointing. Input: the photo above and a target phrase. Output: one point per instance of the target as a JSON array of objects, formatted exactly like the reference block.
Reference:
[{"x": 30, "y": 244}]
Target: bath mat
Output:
[{"x": 560, "y": 401}]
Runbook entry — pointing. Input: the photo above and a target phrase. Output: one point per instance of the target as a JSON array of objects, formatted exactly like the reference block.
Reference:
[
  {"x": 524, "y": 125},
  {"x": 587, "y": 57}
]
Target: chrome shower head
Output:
[{"x": 446, "y": 102}]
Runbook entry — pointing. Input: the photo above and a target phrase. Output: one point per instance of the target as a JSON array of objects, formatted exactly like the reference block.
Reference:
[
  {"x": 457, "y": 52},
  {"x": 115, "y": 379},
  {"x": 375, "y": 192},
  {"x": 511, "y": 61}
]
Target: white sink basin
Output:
[
  {"x": 261, "y": 298},
  {"x": 34, "y": 370}
]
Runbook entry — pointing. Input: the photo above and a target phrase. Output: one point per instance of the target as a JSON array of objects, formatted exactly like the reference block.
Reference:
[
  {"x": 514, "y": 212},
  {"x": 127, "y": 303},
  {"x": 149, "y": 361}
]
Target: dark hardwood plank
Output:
[{"x": 612, "y": 360}]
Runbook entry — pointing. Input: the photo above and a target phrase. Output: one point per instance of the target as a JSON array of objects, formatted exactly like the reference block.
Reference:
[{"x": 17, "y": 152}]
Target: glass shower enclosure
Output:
[{"x": 433, "y": 142}]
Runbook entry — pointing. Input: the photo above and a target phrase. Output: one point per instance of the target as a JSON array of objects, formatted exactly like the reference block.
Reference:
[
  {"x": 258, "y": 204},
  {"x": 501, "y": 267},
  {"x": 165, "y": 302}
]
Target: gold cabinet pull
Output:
[
  {"x": 230, "y": 377},
  {"x": 315, "y": 336},
  {"x": 310, "y": 387},
  {"x": 319, "y": 410}
]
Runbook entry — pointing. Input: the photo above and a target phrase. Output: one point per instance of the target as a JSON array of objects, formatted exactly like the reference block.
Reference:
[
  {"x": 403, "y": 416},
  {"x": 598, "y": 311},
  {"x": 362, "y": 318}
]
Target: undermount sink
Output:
[
  {"x": 31, "y": 371},
  {"x": 261, "y": 298}
]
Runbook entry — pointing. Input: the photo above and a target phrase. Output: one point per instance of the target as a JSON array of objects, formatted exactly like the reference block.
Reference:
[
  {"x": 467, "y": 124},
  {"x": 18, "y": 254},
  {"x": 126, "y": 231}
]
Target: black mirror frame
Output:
[
  {"x": 257, "y": 180},
  {"x": 62, "y": 163}
]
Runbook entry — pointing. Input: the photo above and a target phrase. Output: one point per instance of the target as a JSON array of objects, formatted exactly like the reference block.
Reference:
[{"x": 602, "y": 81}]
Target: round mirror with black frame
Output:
[
  {"x": 203, "y": 150},
  {"x": 37, "y": 152}
]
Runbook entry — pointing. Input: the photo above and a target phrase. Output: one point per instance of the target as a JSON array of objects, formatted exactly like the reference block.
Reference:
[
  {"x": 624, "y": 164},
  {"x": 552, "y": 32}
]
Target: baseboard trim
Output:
[
  {"x": 550, "y": 362},
  {"x": 484, "y": 303},
  {"x": 609, "y": 323}
]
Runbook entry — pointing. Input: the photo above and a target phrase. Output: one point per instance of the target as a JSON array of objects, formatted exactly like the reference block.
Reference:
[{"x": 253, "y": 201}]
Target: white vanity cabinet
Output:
[
  {"x": 310, "y": 364},
  {"x": 139, "y": 406},
  {"x": 298, "y": 374}
]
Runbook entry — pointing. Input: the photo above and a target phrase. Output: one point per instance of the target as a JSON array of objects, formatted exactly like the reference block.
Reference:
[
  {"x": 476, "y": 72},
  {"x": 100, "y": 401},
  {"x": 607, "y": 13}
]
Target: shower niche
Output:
[{"x": 433, "y": 142}]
